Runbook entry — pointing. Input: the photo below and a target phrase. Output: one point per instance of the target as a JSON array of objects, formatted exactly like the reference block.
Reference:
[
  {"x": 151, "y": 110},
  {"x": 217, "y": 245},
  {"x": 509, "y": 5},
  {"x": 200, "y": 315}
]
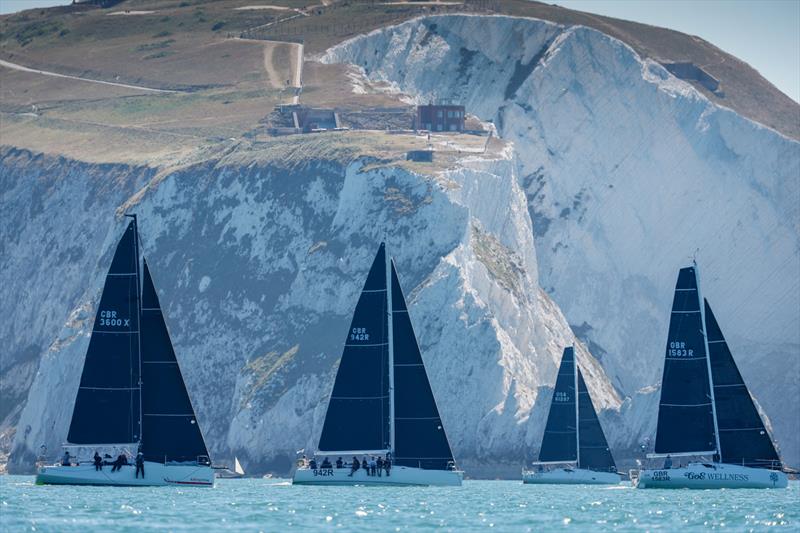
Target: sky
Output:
[{"x": 763, "y": 33}]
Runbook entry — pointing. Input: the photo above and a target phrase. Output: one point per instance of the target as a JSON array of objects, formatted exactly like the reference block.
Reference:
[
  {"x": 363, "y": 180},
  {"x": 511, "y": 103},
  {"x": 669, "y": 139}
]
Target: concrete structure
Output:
[{"x": 434, "y": 117}]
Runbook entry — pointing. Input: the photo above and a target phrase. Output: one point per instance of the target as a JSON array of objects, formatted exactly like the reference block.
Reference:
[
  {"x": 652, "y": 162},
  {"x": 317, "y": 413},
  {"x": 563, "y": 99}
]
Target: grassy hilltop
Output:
[{"x": 190, "y": 72}]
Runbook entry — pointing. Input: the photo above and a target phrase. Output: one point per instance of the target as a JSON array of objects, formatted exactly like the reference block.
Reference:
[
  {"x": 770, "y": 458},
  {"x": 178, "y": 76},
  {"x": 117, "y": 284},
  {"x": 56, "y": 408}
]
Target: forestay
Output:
[
  {"x": 170, "y": 430},
  {"x": 685, "y": 413},
  {"x": 560, "y": 434},
  {"x": 107, "y": 407},
  {"x": 358, "y": 416},
  {"x": 420, "y": 439},
  {"x": 743, "y": 438}
]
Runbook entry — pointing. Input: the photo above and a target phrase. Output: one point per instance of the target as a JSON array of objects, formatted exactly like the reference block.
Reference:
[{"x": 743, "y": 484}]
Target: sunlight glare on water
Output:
[{"x": 276, "y": 505}]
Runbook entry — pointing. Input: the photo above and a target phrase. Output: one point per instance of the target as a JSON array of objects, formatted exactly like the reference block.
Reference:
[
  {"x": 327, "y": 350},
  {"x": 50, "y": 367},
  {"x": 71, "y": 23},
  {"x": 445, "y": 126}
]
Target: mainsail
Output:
[
  {"x": 170, "y": 430},
  {"x": 594, "y": 451},
  {"x": 560, "y": 434},
  {"x": 107, "y": 407},
  {"x": 743, "y": 438},
  {"x": 420, "y": 439},
  {"x": 358, "y": 416},
  {"x": 686, "y": 412}
]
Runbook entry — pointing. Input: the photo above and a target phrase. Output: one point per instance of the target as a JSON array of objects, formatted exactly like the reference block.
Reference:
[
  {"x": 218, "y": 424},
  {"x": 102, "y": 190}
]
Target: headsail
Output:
[
  {"x": 420, "y": 439},
  {"x": 358, "y": 416},
  {"x": 594, "y": 451},
  {"x": 107, "y": 408},
  {"x": 685, "y": 411},
  {"x": 743, "y": 438},
  {"x": 171, "y": 432},
  {"x": 560, "y": 434}
]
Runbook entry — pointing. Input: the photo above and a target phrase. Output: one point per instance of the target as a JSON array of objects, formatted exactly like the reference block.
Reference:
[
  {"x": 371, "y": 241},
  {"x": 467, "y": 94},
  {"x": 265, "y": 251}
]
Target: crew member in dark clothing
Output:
[
  {"x": 140, "y": 464},
  {"x": 312, "y": 464},
  {"x": 339, "y": 462},
  {"x": 326, "y": 463},
  {"x": 365, "y": 465},
  {"x": 387, "y": 464},
  {"x": 354, "y": 466},
  {"x": 668, "y": 462},
  {"x": 98, "y": 461},
  {"x": 65, "y": 460},
  {"x": 380, "y": 465},
  {"x": 118, "y": 464}
]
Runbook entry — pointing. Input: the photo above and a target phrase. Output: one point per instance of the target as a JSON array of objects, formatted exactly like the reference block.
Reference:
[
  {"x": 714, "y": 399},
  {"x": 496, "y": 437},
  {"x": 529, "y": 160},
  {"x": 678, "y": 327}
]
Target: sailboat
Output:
[
  {"x": 132, "y": 397},
  {"x": 382, "y": 404},
  {"x": 237, "y": 471},
  {"x": 705, "y": 408},
  {"x": 573, "y": 436}
]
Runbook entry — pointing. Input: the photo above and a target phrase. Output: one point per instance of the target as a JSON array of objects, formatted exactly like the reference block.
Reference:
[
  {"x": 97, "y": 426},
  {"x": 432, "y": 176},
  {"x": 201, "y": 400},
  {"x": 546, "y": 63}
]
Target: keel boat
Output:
[
  {"x": 705, "y": 412},
  {"x": 574, "y": 448},
  {"x": 132, "y": 397},
  {"x": 382, "y": 404}
]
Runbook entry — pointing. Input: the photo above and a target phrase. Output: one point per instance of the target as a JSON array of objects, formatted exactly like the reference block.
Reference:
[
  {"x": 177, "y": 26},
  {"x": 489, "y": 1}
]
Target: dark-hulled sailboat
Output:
[
  {"x": 132, "y": 397},
  {"x": 574, "y": 448},
  {"x": 705, "y": 409},
  {"x": 382, "y": 404}
]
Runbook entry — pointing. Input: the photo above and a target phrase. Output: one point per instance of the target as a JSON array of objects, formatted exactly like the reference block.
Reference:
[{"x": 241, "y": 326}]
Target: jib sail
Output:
[
  {"x": 594, "y": 451},
  {"x": 743, "y": 438},
  {"x": 171, "y": 432},
  {"x": 685, "y": 411},
  {"x": 560, "y": 434},
  {"x": 420, "y": 439},
  {"x": 358, "y": 416},
  {"x": 107, "y": 407}
]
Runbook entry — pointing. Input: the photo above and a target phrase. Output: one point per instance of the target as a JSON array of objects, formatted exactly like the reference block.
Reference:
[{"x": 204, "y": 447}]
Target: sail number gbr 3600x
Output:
[{"x": 109, "y": 318}]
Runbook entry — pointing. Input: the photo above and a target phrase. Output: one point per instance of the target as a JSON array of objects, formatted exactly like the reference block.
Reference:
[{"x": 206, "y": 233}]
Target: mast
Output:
[
  {"x": 708, "y": 360},
  {"x": 138, "y": 314},
  {"x": 577, "y": 413},
  {"x": 391, "y": 350}
]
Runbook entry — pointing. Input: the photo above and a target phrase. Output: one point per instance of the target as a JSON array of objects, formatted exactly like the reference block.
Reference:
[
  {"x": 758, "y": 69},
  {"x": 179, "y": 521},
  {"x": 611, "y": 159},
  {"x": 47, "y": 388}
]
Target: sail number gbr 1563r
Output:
[
  {"x": 678, "y": 349},
  {"x": 109, "y": 318}
]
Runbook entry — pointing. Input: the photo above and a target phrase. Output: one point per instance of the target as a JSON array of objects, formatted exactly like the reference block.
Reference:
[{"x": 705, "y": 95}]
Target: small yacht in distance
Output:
[
  {"x": 132, "y": 401},
  {"x": 705, "y": 408},
  {"x": 574, "y": 448},
  {"x": 382, "y": 426}
]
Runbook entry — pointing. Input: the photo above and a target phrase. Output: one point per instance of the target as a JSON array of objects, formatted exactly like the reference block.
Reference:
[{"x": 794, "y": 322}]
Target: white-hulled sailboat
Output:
[
  {"x": 382, "y": 404},
  {"x": 131, "y": 397},
  {"x": 705, "y": 409},
  {"x": 574, "y": 448}
]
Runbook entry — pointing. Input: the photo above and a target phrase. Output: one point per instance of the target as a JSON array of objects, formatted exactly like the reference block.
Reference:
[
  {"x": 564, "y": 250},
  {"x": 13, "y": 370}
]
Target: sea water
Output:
[{"x": 276, "y": 505}]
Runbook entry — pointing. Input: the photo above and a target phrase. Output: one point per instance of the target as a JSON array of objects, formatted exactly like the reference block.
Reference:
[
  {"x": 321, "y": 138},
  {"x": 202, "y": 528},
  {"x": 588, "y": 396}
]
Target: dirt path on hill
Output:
[{"x": 14, "y": 66}]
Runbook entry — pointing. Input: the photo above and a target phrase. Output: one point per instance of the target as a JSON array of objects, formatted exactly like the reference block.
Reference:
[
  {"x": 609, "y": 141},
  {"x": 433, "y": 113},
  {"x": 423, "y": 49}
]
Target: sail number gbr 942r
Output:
[{"x": 678, "y": 349}]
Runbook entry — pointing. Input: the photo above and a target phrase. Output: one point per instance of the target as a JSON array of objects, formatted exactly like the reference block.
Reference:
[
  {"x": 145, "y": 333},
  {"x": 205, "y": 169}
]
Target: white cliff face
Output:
[
  {"x": 259, "y": 261},
  {"x": 629, "y": 173}
]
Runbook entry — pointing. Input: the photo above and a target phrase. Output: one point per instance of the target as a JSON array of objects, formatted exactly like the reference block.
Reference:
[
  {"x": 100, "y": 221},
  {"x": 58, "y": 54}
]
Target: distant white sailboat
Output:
[
  {"x": 705, "y": 408},
  {"x": 131, "y": 395},
  {"x": 574, "y": 448},
  {"x": 237, "y": 471},
  {"x": 382, "y": 404}
]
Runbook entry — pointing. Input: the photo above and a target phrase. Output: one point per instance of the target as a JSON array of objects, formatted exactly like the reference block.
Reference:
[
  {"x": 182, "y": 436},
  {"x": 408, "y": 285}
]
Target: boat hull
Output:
[
  {"x": 569, "y": 476},
  {"x": 710, "y": 476},
  {"x": 400, "y": 476},
  {"x": 156, "y": 474}
]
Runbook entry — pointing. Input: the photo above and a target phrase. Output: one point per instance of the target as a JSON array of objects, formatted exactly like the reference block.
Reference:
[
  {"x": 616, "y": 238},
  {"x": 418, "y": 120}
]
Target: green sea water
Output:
[{"x": 276, "y": 505}]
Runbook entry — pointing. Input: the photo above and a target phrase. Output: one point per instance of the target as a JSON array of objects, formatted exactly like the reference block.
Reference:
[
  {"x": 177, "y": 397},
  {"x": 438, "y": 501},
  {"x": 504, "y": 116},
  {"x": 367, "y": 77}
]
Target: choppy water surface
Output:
[{"x": 275, "y": 505}]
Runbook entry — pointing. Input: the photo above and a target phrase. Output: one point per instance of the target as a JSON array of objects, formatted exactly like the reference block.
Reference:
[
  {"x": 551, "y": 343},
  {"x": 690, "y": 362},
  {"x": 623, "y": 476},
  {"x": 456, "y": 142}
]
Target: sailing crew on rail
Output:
[
  {"x": 121, "y": 460},
  {"x": 380, "y": 465},
  {"x": 387, "y": 463},
  {"x": 354, "y": 466},
  {"x": 339, "y": 463},
  {"x": 65, "y": 460},
  {"x": 139, "y": 464},
  {"x": 365, "y": 464},
  {"x": 668, "y": 462},
  {"x": 98, "y": 461}
]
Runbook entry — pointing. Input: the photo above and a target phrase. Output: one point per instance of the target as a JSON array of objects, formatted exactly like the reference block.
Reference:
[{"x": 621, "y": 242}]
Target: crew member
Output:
[
  {"x": 387, "y": 464},
  {"x": 668, "y": 462},
  {"x": 98, "y": 461},
  {"x": 140, "y": 464},
  {"x": 339, "y": 462},
  {"x": 65, "y": 459},
  {"x": 354, "y": 466},
  {"x": 313, "y": 463},
  {"x": 365, "y": 465},
  {"x": 380, "y": 465},
  {"x": 121, "y": 460}
]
